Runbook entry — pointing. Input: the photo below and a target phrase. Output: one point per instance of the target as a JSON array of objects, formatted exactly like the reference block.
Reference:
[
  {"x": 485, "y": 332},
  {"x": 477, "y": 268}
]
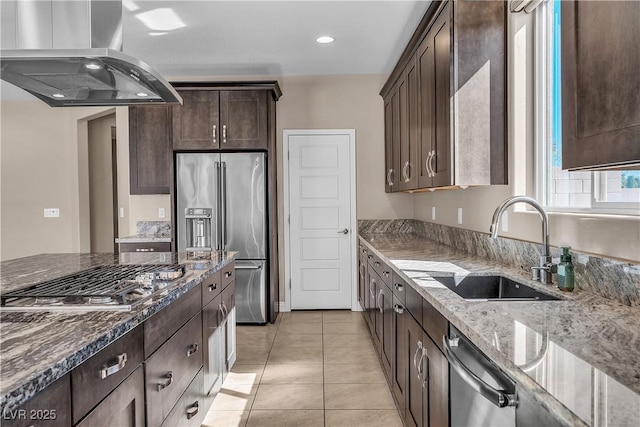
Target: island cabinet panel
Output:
[
  {"x": 228, "y": 297},
  {"x": 196, "y": 121},
  {"x": 124, "y": 407},
  {"x": 103, "y": 372},
  {"x": 600, "y": 84},
  {"x": 213, "y": 339},
  {"x": 170, "y": 370},
  {"x": 49, "y": 408},
  {"x": 159, "y": 327},
  {"x": 150, "y": 149},
  {"x": 190, "y": 410}
]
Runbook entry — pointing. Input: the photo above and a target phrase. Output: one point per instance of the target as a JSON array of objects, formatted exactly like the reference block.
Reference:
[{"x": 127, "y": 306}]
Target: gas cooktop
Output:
[{"x": 104, "y": 288}]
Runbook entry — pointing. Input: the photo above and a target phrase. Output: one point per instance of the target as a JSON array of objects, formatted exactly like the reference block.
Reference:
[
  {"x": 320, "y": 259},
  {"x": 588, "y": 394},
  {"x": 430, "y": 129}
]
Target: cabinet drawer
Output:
[
  {"x": 123, "y": 408},
  {"x": 171, "y": 369},
  {"x": 399, "y": 288},
  {"x": 159, "y": 327},
  {"x": 104, "y": 371},
  {"x": 190, "y": 409},
  {"x": 49, "y": 408},
  {"x": 386, "y": 274},
  {"x": 145, "y": 247},
  {"x": 434, "y": 323},
  {"x": 413, "y": 303},
  {"x": 211, "y": 287},
  {"x": 228, "y": 273}
]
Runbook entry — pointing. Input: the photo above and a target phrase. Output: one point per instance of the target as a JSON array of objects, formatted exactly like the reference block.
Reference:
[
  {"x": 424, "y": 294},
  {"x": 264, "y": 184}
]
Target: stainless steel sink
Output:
[{"x": 492, "y": 288}]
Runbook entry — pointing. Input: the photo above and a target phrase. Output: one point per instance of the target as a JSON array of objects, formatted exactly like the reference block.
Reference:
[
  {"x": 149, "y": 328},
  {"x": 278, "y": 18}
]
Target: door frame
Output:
[{"x": 353, "y": 224}]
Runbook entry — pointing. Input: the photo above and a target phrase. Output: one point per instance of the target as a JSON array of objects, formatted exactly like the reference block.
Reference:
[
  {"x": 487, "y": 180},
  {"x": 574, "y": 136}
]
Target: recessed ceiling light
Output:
[
  {"x": 142, "y": 94},
  {"x": 58, "y": 95},
  {"x": 325, "y": 39},
  {"x": 93, "y": 66}
]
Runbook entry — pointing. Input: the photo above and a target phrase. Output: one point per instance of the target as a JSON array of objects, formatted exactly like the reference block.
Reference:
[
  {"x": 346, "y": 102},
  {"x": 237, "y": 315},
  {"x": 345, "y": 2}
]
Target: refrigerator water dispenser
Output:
[{"x": 198, "y": 229}]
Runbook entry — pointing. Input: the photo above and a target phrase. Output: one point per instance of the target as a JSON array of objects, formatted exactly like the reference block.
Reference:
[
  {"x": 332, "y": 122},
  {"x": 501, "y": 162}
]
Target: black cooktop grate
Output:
[{"x": 114, "y": 281}]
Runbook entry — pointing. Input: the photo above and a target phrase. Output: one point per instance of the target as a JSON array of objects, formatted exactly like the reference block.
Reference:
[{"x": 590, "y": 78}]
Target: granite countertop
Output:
[
  {"x": 579, "y": 357},
  {"x": 145, "y": 238},
  {"x": 37, "y": 348}
]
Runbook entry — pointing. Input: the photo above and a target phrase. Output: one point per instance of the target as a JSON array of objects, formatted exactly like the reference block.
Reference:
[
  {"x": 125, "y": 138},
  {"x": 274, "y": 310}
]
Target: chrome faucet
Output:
[{"x": 543, "y": 272}]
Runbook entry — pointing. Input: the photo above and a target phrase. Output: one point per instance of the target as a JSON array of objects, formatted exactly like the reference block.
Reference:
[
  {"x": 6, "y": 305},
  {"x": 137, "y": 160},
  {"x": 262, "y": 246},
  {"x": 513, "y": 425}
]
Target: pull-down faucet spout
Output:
[{"x": 546, "y": 268}]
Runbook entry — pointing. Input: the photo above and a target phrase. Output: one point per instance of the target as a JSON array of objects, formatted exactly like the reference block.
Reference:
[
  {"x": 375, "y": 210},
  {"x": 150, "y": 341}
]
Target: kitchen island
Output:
[
  {"x": 37, "y": 348},
  {"x": 577, "y": 359}
]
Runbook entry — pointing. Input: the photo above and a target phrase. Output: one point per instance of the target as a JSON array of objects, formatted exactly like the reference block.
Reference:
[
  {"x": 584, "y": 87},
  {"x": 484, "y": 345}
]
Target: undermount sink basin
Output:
[{"x": 493, "y": 288}]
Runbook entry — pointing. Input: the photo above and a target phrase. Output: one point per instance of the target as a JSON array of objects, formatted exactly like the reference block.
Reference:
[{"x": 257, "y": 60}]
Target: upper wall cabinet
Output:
[
  {"x": 454, "y": 108},
  {"x": 600, "y": 84},
  {"x": 149, "y": 149}
]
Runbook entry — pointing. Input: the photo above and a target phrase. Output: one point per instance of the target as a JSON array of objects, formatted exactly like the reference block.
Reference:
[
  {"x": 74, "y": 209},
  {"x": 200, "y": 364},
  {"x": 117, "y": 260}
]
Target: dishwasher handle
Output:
[{"x": 497, "y": 397}]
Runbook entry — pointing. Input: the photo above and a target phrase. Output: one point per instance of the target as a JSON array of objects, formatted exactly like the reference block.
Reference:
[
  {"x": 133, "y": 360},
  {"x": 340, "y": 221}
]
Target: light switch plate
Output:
[
  {"x": 51, "y": 212},
  {"x": 161, "y": 213},
  {"x": 121, "y": 212},
  {"x": 459, "y": 215},
  {"x": 433, "y": 212}
]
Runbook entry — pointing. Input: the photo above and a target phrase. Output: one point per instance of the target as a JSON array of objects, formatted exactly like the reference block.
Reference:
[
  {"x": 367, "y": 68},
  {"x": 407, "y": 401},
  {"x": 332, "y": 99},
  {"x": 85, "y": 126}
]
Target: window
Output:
[{"x": 598, "y": 192}]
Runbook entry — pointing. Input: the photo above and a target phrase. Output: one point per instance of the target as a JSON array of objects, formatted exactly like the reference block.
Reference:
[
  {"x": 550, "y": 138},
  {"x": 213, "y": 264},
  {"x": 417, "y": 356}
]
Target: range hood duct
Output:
[{"x": 69, "y": 53}]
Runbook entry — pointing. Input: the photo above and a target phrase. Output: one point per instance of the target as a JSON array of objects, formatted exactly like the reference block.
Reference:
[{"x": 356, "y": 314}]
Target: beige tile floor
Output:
[{"x": 311, "y": 368}]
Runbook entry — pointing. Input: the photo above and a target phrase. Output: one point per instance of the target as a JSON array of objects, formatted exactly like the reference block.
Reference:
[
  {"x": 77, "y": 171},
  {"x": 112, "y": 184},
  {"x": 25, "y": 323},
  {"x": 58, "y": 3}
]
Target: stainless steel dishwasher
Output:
[{"x": 480, "y": 393}]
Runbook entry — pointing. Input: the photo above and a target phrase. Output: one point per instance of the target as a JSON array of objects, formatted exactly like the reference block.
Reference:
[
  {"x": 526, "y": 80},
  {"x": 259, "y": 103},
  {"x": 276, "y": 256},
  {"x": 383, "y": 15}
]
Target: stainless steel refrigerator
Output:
[{"x": 232, "y": 187}]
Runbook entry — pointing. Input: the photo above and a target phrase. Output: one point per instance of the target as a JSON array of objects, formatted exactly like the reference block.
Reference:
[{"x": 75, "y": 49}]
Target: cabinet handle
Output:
[
  {"x": 378, "y": 301},
  {"x": 399, "y": 287},
  {"x": 364, "y": 251},
  {"x": 144, "y": 249},
  {"x": 415, "y": 356},
  {"x": 167, "y": 383},
  {"x": 225, "y": 310},
  {"x": 433, "y": 156},
  {"x": 224, "y": 134},
  {"x": 390, "y": 177},
  {"x": 228, "y": 274},
  {"x": 193, "y": 349},
  {"x": 119, "y": 363},
  {"x": 404, "y": 171},
  {"x": 386, "y": 273},
  {"x": 372, "y": 289},
  {"x": 377, "y": 264},
  {"x": 369, "y": 256},
  {"x": 192, "y": 410},
  {"x": 423, "y": 377},
  {"x": 398, "y": 308},
  {"x": 213, "y": 287},
  {"x": 430, "y": 171},
  {"x": 214, "y": 133}
]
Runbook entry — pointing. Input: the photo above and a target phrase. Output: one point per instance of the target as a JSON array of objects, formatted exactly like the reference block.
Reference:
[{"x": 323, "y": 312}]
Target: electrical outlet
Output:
[
  {"x": 51, "y": 212},
  {"x": 161, "y": 213},
  {"x": 459, "y": 215},
  {"x": 433, "y": 212},
  {"x": 505, "y": 221},
  {"x": 121, "y": 212}
]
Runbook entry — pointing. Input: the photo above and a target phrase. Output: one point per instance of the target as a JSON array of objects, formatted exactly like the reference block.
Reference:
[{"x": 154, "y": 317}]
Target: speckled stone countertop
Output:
[
  {"x": 144, "y": 238},
  {"x": 579, "y": 357},
  {"x": 37, "y": 348}
]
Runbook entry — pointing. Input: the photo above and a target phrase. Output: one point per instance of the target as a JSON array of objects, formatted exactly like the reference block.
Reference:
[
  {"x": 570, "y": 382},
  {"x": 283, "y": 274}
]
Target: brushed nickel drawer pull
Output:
[
  {"x": 192, "y": 410},
  {"x": 226, "y": 310},
  {"x": 213, "y": 287},
  {"x": 424, "y": 378},
  {"x": 415, "y": 356},
  {"x": 193, "y": 349},
  {"x": 167, "y": 383},
  {"x": 118, "y": 365},
  {"x": 214, "y": 133},
  {"x": 399, "y": 287},
  {"x": 377, "y": 264},
  {"x": 369, "y": 256},
  {"x": 224, "y": 134},
  {"x": 228, "y": 274},
  {"x": 386, "y": 274},
  {"x": 378, "y": 301},
  {"x": 398, "y": 308}
]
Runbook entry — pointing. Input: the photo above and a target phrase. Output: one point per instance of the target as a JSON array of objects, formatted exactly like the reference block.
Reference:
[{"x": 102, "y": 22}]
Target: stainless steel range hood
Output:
[{"x": 68, "y": 53}]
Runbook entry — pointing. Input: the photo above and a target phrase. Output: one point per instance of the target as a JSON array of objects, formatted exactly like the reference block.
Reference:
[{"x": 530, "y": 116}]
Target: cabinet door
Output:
[
  {"x": 600, "y": 83},
  {"x": 49, "y": 408},
  {"x": 189, "y": 411},
  {"x": 426, "y": 118},
  {"x": 388, "y": 145},
  {"x": 409, "y": 128},
  {"x": 441, "y": 160},
  {"x": 367, "y": 298},
  {"x": 243, "y": 117},
  {"x": 149, "y": 149},
  {"x": 374, "y": 315},
  {"x": 415, "y": 388},
  {"x": 362, "y": 273},
  {"x": 386, "y": 345},
  {"x": 229, "y": 305},
  {"x": 195, "y": 122},
  {"x": 213, "y": 342},
  {"x": 400, "y": 365},
  {"x": 437, "y": 374},
  {"x": 124, "y": 407}
]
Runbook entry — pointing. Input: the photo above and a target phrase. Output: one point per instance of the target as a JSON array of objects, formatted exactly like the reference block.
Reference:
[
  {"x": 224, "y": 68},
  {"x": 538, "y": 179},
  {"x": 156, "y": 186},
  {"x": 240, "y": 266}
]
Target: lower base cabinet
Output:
[
  {"x": 190, "y": 409},
  {"x": 124, "y": 407},
  {"x": 49, "y": 408}
]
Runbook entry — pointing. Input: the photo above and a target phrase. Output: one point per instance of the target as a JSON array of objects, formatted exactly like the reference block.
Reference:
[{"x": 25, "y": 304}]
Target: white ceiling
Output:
[{"x": 268, "y": 38}]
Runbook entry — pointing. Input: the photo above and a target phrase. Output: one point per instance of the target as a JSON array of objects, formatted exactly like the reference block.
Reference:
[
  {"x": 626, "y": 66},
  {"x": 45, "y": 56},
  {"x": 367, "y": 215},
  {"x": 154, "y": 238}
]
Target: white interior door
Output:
[{"x": 320, "y": 204}]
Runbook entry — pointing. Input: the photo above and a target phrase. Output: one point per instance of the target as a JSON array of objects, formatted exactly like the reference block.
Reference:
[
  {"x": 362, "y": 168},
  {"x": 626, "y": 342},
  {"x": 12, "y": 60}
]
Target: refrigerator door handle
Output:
[
  {"x": 223, "y": 194},
  {"x": 216, "y": 226}
]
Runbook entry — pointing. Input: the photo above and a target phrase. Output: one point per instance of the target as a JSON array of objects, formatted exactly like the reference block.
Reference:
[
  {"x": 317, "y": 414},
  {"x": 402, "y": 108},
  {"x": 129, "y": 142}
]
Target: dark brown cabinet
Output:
[
  {"x": 415, "y": 386},
  {"x": 228, "y": 326},
  {"x": 399, "y": 366},
  {"x": 213, "y": 340},
  {"x": 124, "y": 407},
  {"x": 600, "y": 84},
  {"x": 450, "y": 86},
  {"x": 196, "y": 124},
  {"x": 150, "y": 149},
  {"x": 391, "y": 116},
  {"x": 49, "y": 408},
  {"x": 190, "y": 410},
  {"x": 386, "y": 328}
]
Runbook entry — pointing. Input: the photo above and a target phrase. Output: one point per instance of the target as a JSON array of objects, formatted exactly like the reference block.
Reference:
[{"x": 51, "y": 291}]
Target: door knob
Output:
[{"x": 345, "y": 231}]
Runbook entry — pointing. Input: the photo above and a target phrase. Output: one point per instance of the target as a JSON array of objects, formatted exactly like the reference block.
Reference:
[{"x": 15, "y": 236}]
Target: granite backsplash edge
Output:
[{"x": 612, "y": 279}]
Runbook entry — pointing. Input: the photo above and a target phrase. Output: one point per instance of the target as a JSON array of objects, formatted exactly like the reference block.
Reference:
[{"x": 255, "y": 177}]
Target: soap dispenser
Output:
[{"x": 565, "y": 271}]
